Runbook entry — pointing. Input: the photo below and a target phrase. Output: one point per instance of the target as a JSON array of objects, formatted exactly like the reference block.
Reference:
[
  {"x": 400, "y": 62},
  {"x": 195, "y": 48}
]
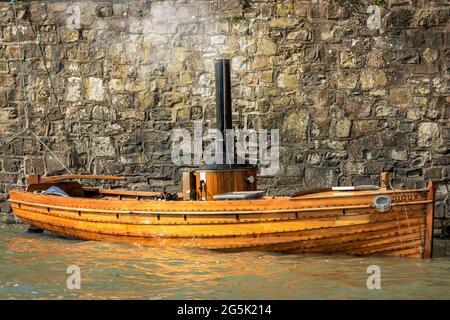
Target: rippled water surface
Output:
[{"x": 33, "y": 266}]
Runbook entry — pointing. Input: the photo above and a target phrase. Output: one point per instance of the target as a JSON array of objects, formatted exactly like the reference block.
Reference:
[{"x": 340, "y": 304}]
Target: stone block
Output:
[
  {"x": 318, "y": 9},
  {"x": 295, "y": 126},
  {"x": 373, "y": 79},
  {"x": 346, "y": 80},
  {"x": 436, "y": 173},
  {"x": 73, "y": 89},
  {"x": 103, "y": 147},
  {"x": 288, "y": 81},
  {"x": 93, "y": 88},
  {"x": 342, "y": 128},
  {"x": 266, "y": 46},
  {"x": 5, "y": 206},
  {"x": 6, "y": 80},
  {"x": 428, "y": 134},
  {"x": 430, "y": 55},
  {"x": 399, "y": 18},
  {"x": 319, "y": 177},
  {"x": 347, "y": 59}
]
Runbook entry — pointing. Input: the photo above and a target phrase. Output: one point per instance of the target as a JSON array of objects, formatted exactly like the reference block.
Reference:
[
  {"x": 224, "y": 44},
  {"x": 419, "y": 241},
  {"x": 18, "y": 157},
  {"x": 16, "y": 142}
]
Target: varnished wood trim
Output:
[
  {"x": 216, "y": 212},
  {"x": 428, "y": 252},
  {"x": 345, "y": 194},
  {"x": 278, "y": 203},
  {"x": 79, "y": 176}
]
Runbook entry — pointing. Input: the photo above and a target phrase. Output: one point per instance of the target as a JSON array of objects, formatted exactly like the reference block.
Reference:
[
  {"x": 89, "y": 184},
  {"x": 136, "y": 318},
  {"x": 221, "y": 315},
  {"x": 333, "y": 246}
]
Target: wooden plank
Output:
[
  {"x": 345, "y": 194},
  {"x": 429, "y": 222},
  {"x": 188, "y": 185},
  {"x": 310, "y": 191},
  {"x": 385, "y": 180},
  {"x": 358, "y": 246},
  {"x": 337, "y": 242},
  {"x": 388, "y": 247},
  {"x": 80, "y": 176},
  {"x": 127, "y": 193}
]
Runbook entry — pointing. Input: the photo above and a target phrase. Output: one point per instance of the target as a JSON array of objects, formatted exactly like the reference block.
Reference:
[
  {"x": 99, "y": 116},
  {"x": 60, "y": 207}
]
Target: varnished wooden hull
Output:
[{"x": 328, "y": 222}]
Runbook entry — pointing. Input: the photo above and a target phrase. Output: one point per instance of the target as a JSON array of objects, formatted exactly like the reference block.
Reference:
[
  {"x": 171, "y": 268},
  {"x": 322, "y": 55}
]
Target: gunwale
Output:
[{"x": 271, "y": 205}]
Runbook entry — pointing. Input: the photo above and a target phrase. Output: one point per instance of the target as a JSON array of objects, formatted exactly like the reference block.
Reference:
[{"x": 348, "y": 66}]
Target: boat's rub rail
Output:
[{"x": 290, "y": 210}]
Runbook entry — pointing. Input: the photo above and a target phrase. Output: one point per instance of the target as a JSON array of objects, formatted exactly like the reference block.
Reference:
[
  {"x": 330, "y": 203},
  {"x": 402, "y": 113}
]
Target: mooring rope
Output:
[
  {"x": 27, "y": 128},
  {"x": 407, "y": 217},
  {"x": 50, "y": 151},
  {"x": 21, "y": 81}
]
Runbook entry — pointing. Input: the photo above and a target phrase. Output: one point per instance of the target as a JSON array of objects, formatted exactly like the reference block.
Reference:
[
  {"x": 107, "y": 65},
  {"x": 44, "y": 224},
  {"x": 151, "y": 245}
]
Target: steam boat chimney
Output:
[
  {"x": 222, "y": 180},
  {"x": 223, "y": 99}
]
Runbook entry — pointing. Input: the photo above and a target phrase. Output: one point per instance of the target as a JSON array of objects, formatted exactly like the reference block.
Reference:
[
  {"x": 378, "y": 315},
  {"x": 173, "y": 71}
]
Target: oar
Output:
[{"x": 33, "y": 179}]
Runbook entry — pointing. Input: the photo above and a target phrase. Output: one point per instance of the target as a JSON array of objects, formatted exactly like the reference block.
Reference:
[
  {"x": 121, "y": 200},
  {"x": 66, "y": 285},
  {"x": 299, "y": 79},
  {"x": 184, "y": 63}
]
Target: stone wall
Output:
[{"x": 109, "y": 80}]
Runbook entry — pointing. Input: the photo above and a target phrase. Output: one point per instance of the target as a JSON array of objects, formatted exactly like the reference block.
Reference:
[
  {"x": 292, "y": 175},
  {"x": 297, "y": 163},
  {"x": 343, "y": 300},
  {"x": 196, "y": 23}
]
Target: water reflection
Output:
[{"x": 34, "y": 265}]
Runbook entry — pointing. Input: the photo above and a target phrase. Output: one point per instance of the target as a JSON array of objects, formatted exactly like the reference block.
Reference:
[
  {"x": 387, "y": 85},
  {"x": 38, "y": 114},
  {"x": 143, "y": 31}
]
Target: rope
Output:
[
  {"x": 27, "y": 128},
  {"x": 22, "y": 81},
  {"x": 14, "y": 136},
  {"x": 50, "y": 151},
  {"x": 41, "y": 50},
  {"x": 407, "y": 218}
]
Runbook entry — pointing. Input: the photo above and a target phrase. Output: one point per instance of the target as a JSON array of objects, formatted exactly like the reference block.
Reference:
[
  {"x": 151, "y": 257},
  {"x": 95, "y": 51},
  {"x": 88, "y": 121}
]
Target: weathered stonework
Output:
[{"x": 349, "y": 101}]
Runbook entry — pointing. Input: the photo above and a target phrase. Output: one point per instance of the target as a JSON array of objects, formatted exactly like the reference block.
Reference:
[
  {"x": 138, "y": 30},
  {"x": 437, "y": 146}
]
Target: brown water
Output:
[{"x": 33, "y": 266}]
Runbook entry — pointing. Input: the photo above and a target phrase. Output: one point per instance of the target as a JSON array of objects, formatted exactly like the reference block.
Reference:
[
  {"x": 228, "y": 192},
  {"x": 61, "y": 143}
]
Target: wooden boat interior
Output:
[{"x": 77, "y": 190}]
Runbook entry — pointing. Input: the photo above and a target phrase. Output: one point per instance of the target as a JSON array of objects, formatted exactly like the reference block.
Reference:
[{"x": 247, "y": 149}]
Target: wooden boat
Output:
[
  {"x": 326, "y": 221},
  {"x": 221, "y": 208}
]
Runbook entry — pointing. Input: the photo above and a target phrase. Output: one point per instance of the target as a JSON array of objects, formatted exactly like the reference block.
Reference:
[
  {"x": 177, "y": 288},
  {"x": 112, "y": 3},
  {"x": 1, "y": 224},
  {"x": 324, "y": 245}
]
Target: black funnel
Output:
[
  {"x": 223, "y": 95},
  {"x": 223, "y": 98}
]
